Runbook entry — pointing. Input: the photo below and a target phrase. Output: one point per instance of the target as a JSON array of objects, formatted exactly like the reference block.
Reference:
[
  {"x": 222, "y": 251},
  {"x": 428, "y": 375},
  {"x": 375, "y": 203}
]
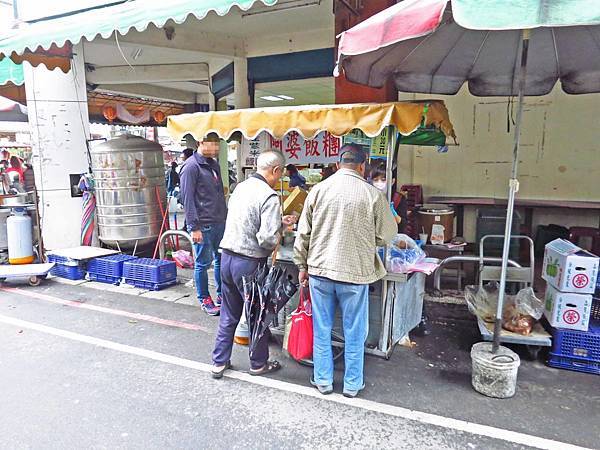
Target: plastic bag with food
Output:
[
  {"x": 482, "y": 301},
  {"x": 519, "y": 313},
  {"x": 403, "y": 254},
  {"x": 522, "y": 311}
]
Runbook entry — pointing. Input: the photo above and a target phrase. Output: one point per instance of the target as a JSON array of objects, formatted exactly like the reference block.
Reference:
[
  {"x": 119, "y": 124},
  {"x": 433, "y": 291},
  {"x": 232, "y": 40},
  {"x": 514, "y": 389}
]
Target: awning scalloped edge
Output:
[
  {"x": 309, "y": 121},
  {"x": 179, "y": 19},
  {"x": 307, "y": 136}
]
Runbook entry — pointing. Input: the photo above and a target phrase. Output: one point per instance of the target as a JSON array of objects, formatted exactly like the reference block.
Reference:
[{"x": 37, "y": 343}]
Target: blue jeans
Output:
[
  {"x": 206, "y": 254},
  {"x": 354, "y": 303}
]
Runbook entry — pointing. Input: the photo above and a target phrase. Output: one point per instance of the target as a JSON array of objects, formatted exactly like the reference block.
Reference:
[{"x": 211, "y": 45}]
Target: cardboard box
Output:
[
  {"x": 567, "y": 310},
  {"x": 295, "y": 202},
  {"x": 569, "y": 268}
]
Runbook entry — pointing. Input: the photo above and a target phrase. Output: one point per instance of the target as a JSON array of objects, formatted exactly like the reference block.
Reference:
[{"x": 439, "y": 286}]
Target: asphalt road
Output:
[{"x": 93, "y": 374}]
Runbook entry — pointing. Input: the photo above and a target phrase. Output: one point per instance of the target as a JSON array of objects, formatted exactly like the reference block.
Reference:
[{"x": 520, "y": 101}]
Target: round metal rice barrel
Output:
[
  {"x": 494, "y": 374},
  {"x": 429, "y": 215},
  {"x": 127, "y": 170}
]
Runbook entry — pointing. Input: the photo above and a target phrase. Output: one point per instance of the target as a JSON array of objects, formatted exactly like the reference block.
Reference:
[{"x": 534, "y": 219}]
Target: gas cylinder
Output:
[{"x": 20, "y": 237}]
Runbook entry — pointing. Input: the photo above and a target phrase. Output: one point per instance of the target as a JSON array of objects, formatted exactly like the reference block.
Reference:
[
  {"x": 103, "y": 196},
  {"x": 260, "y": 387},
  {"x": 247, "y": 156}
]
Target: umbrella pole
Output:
[{"x": 512, "y": 192}]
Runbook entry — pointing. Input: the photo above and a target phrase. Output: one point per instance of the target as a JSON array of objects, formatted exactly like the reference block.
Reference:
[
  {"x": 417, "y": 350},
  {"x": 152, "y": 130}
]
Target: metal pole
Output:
[
  {"x": 15, "y": 4},
  {"x": 389, "y": 160},
  {"x": 512, "y": 191},
  {"x": 386, "y": 308}
]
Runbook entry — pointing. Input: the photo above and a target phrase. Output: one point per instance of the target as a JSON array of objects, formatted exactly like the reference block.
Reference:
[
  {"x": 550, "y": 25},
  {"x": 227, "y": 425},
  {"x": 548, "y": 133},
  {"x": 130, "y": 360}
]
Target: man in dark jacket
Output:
[{"x": 205, "y": 213}]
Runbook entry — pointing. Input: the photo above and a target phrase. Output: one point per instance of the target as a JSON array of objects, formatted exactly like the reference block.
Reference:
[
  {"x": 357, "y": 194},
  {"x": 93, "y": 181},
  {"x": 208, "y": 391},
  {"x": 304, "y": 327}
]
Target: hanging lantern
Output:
[
  {"x": 109, "y": 113},
  {"x": 159, "y": 116}
]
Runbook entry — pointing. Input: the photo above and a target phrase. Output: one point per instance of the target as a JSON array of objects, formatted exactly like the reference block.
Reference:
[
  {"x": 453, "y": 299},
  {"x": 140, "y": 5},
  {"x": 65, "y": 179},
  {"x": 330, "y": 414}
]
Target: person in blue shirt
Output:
[
  {"x": 203, "y": 197},
  {"x": 296, "y": 180}
]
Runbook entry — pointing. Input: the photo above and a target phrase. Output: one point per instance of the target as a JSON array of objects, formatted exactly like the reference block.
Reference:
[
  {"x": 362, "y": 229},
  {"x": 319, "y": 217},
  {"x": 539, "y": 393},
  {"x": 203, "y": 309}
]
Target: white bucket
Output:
[{"x": 494, "y": 374}]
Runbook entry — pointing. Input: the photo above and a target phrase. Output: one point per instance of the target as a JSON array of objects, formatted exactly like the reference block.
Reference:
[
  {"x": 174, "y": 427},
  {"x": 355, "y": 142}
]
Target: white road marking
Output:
[
  {"x": 103, "y": 309},
  {"x": 369, "y": 405}
]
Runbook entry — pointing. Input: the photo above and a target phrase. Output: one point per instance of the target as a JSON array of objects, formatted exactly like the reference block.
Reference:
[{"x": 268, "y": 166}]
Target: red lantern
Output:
[
  {"x": 159, "y": 116},
  {"x": 109, "y": 113}
]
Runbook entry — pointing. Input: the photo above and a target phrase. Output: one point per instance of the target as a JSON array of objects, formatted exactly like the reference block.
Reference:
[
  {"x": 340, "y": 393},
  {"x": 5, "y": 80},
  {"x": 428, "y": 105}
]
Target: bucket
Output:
[{"x": 494, "y": 375}]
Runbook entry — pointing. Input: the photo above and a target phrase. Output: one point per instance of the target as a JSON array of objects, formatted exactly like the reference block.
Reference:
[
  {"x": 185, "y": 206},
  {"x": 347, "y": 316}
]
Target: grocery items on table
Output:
[{"x": 403, "y": 254}]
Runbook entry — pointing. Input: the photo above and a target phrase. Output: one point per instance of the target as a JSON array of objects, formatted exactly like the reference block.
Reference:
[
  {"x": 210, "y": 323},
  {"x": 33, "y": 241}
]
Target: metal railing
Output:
[
  {"x": 437, "y": 275},
  {"x": 169, "y": 233}
]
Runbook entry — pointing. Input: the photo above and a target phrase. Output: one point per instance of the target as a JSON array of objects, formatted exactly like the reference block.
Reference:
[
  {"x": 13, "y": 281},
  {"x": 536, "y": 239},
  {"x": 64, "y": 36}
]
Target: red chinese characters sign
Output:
[{"x": 323, "y": 149}]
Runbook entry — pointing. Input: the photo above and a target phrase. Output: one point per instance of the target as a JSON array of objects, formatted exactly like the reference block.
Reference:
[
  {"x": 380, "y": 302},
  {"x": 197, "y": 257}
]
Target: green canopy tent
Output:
[
  {"x": 104, "y": 20},
  {"x": 11, "y": 73}
]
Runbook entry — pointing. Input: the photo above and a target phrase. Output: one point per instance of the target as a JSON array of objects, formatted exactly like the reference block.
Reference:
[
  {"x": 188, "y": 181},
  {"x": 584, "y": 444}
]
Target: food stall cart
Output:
[{"x": 313, "y": 135}]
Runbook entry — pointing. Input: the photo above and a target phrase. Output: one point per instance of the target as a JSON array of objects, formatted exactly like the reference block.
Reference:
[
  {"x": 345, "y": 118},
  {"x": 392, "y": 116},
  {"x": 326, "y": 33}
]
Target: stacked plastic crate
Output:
[
  {"x": 152, "y": 274},
  {"x": 578, "y": 350},
  {"x": 108, "y": 269},
  {"x": 570, "y": 307},
  {"x": 414, "y": 197},
  {"x": 71, "y": 269}
]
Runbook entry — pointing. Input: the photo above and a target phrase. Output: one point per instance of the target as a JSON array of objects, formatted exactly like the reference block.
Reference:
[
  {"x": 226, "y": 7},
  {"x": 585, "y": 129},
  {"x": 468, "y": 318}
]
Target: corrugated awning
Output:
[
  {"x": 103, "y": 21},
  {"x": 11, "y": 73},
  {"x": 311, "y": 120}
]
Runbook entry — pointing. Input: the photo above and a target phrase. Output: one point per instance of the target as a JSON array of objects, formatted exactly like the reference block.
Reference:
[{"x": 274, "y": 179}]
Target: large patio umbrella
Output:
[{"x": 497, "y": 47}]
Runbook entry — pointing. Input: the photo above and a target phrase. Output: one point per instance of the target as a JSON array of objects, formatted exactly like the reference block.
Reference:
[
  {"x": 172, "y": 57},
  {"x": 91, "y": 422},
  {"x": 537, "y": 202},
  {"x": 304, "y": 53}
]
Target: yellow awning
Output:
[{"x": 312, "y": 119}]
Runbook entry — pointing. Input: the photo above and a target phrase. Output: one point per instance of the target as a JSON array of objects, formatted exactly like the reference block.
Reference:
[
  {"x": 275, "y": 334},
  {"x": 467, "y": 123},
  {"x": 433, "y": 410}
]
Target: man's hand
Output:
[
  {"x": 303, "y": 278},
  {"x": 289, "y": 220},
  {"x": 197, "y": 237}
]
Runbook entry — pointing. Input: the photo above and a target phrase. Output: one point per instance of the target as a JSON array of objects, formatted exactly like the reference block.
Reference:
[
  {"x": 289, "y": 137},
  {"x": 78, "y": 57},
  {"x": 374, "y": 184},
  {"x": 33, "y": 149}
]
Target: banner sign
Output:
[
  {"x": 377, "y": 146},
  {"x": 323, "y": 149}
]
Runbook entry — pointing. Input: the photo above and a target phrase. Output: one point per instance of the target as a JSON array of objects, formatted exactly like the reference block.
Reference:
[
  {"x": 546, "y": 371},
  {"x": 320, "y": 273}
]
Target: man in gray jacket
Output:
[{"x": 252, "y": 231}]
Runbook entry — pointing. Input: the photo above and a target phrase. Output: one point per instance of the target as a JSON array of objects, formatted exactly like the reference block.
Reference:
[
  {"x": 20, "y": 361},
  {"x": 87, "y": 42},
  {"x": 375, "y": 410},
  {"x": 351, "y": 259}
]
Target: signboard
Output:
[
  {"x": 323, "y": 149},
  {"x": 377, "y": 146}
]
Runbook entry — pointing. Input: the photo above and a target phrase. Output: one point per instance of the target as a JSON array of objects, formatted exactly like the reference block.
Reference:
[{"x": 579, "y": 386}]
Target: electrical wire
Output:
[
  {"x": 121, "y": 50},
  {"x": 84, "y": 130}
]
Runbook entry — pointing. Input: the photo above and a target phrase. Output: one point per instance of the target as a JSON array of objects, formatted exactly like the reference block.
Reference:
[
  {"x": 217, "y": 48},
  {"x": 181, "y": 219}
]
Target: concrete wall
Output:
[{"x": 560, "y": 154}]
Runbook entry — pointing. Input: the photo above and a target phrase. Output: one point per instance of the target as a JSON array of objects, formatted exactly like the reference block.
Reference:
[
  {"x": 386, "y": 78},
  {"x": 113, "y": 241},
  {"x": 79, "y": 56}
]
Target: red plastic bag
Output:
[{"x": 300, "y": 341}]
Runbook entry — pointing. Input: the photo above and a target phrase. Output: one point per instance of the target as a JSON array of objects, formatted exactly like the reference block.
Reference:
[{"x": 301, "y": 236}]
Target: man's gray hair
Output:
[{"x": 270, "y": 159}]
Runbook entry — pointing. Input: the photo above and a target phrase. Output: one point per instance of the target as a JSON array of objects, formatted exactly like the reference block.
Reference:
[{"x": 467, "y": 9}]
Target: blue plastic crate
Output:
[
  {"x": 63, "y": 260},
  {"x": 69, "y": 272},
  {"x": 108, "y": 267},
  {"x": 147, "y": 270},
  {"x": 583, "y": 345},
  {"x": 576, "y": 364},
  {"x": 149, "y": 285},
  {"x": 104, "y": 278}
]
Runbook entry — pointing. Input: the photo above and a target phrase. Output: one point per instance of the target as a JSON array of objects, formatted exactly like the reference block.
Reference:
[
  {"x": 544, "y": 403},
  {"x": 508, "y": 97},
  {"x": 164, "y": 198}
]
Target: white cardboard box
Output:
[
  {"x": 567, "y": 310},
  {"x": 569, "y": 268}
]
